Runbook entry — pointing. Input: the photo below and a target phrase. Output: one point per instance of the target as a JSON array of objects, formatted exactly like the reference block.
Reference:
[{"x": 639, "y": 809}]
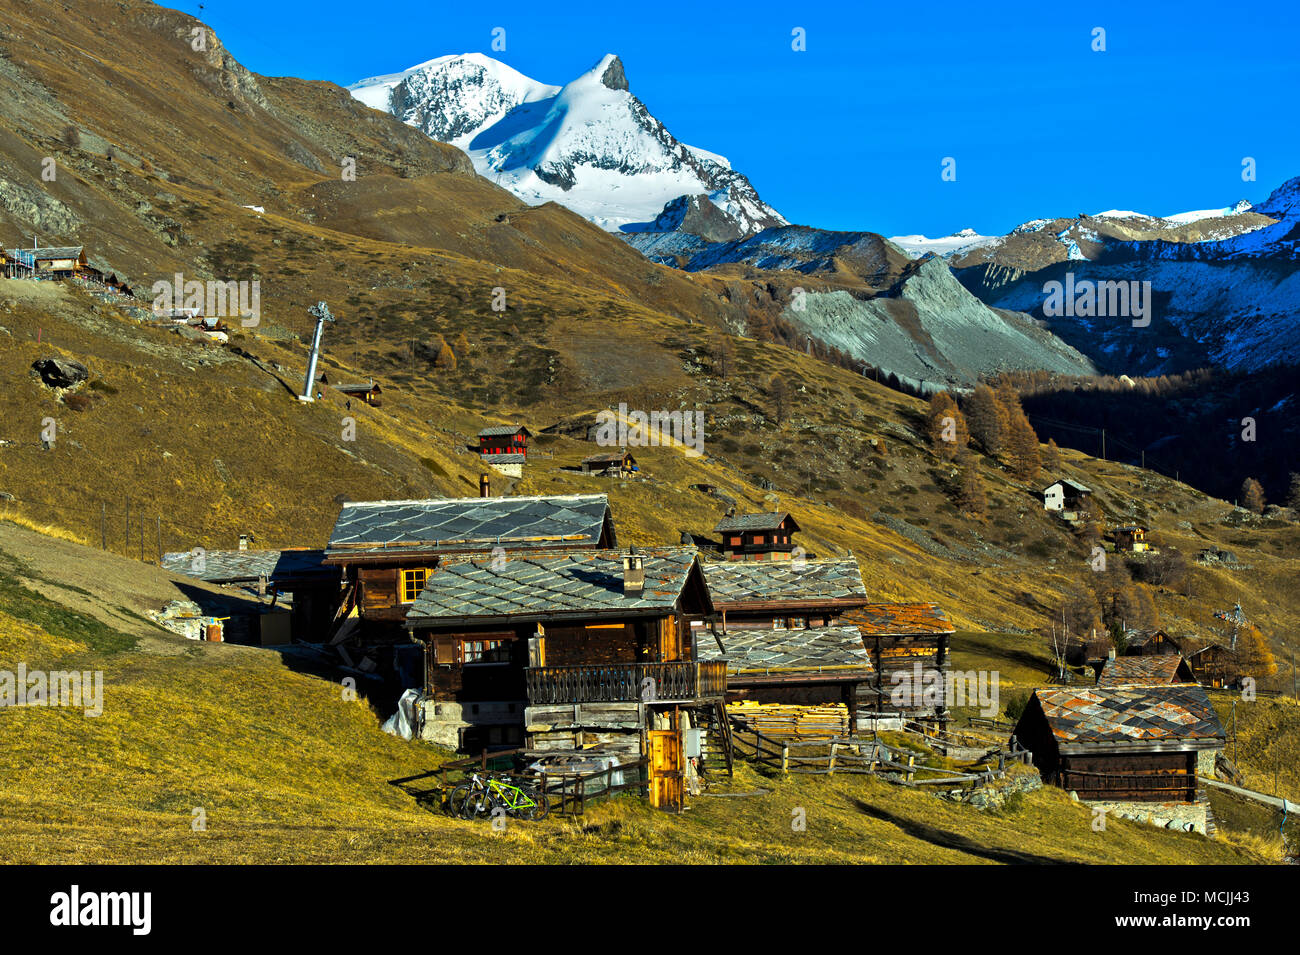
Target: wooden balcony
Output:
[{"x": 686, "y": 682}]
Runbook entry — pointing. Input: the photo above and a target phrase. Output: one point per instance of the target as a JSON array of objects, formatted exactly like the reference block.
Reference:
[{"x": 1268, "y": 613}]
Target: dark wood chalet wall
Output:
[
  {"x": 1140, "y": 777},
  {"x": 448, "y": 679},
  {"x": 586, "y": 645}
]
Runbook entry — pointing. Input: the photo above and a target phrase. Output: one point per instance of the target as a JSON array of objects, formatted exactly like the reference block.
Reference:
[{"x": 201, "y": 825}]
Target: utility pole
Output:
[
  {"x": 321, "y": 312},
  {"x": 103, "y": 532},
  {"x": 1103, "y": 444}
]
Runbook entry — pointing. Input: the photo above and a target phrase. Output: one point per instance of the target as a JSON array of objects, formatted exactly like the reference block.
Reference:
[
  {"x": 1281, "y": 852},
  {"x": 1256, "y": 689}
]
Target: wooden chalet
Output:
[
  {"x": 311, "y": 587},
  {"x": 387, "y": 549},
  {"x": 1121, "y": 745},
  {"x": 570, "y": 652},
  {"x": 1131, "y": 538},
  {"x": 1214, "y": 664},
  {"x": 52, "y": 262},
  {"x": 1148, "y": 670},
  {"x": 504, "y": 439},
  {"x": 1067, "y": 496},
  {"x": 757, "y": 536},
  {"x": 368, "y": 391},
  {"x": 906, "y": 641},
  {"x": 1153, "y": 642},
  {"x": 617, "y": 464}
]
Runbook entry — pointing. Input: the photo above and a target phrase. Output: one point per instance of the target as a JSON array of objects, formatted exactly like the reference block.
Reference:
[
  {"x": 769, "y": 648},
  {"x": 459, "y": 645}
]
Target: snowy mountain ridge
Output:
[{"x": 590, "y": 145}]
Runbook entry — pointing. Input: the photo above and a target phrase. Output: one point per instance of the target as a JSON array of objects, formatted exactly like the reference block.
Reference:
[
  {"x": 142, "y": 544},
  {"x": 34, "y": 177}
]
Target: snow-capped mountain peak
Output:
[{"x": 590, "y": 145}]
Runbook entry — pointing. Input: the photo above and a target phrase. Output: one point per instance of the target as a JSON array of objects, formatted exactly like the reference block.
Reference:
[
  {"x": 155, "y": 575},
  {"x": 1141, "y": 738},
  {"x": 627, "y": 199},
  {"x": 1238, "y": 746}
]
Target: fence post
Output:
[
  {"x": 830, "y": 767},
  {"x": 785, "y": 757}
]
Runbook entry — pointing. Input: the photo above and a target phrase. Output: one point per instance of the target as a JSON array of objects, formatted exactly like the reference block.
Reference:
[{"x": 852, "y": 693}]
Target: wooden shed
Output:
[
  {"x": 1150, "y": 642},
  {"x": 369, "y": 392},
  {"x": 805, "y": 666},
  {"x": 905, "y": 640},
  {"x": 616, "y": 464},
  {"x": 1131, "y": 538},
  {"x": 1121, "y": 743}
]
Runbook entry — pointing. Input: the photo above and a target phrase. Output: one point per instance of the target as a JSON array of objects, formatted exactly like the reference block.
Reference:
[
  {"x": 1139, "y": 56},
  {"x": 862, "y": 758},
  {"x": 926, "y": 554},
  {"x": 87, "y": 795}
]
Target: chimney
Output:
[
  {"x": 484, "y": 485},
  {"x": 633, "y": 574}
]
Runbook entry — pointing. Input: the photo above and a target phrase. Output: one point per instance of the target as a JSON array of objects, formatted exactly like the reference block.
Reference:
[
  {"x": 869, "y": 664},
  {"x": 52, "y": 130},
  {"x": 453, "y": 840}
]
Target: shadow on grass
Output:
[{"x": 951, "y": 840}]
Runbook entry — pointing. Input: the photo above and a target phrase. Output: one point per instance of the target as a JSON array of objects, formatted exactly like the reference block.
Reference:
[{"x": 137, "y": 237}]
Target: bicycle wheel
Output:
[
  {"x": 479, "y": 805},
  {"x": 456, "y": 801},
  {"x": 540, "y": 808}
]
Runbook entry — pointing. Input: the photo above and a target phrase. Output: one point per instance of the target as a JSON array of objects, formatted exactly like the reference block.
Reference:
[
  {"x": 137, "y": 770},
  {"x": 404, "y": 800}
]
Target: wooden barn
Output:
[
  {"x": 295, "y": 581},
  {"x": 1214, "y": 664},
  {"x": 570, "y": 652},
  {"x": 805, "y": 666},
  {"x": 907, "y": 643},
  {"x": 387, "y": 549},
  {"x": 368, "y": 391},
  {"x": 757, "y": 536},
  {"x": 1131, "y": 538},
  {"x": 1151, "y": 642},
  {"x": 784, "y": 595},
  {"x": 1067, "y": 496},
  {"x": 1124, "y": 745},
  {"x": 615, "y": 464},
  {"x": 1149, "y": 670}
]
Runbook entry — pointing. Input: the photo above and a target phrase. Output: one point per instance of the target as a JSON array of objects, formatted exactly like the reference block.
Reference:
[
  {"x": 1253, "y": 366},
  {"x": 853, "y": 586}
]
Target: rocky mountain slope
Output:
[
  {"x": 1226, "y": 291},
  {"x": 590, "y": 145}
]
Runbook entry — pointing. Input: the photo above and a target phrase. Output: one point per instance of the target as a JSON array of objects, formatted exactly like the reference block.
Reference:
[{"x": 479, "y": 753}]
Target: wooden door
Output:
[
  {"x": 670, "y": 640},
  {"x": 667, "y": 768}
]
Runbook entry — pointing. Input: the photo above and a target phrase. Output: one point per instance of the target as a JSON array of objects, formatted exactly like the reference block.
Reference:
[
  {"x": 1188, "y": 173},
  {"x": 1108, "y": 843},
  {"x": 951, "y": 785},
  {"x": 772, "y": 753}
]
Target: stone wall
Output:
[{"x": 1184, "y": 816}]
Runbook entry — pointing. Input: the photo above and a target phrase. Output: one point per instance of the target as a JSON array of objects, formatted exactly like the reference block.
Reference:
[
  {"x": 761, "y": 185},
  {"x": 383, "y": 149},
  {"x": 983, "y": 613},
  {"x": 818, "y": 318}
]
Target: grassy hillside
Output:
[{"x": 287, "y": 771}]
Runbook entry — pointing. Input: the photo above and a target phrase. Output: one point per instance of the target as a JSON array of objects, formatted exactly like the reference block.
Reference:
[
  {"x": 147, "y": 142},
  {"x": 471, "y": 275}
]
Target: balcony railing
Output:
[{"x": 627, "y": 682}]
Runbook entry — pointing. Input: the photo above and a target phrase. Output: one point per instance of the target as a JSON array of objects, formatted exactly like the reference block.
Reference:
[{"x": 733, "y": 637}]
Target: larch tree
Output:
[
  {"x": 1022, "y": 445},
  {"x": 984, "y": 417},
  {"x": 971, "y": 497},
  {"x": 1252, "y": 495},
  {"x": 1293, "y": 492},
  {"x": 779, "y": 392},
  {"x": 946, "y": 426}
]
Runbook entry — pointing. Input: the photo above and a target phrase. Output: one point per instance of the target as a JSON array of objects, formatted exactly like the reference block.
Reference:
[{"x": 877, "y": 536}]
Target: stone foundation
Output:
[
  {"x": 1183, "y": 816},
  {"x": 441, "y": 721}
]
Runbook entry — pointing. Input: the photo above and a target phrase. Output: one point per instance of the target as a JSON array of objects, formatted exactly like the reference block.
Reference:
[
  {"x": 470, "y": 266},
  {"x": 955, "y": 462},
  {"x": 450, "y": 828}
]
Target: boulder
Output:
[{"x": 60, "y": 372}]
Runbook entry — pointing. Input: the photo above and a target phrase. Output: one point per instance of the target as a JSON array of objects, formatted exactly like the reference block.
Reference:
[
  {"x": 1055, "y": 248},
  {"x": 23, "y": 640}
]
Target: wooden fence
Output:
[
  {"x": 567, "y": 793},
  {"x": 849, "y": 755}
]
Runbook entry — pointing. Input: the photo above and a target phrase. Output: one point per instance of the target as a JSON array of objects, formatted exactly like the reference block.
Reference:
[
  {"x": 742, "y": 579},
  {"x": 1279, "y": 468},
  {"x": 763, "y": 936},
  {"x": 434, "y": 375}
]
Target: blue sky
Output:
[{"x": 852, "y": 132}]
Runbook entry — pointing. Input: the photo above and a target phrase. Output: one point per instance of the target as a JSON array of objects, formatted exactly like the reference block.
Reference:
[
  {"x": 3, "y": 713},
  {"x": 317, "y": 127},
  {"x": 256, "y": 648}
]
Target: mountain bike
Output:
[{"x": 478, "y": 798}]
